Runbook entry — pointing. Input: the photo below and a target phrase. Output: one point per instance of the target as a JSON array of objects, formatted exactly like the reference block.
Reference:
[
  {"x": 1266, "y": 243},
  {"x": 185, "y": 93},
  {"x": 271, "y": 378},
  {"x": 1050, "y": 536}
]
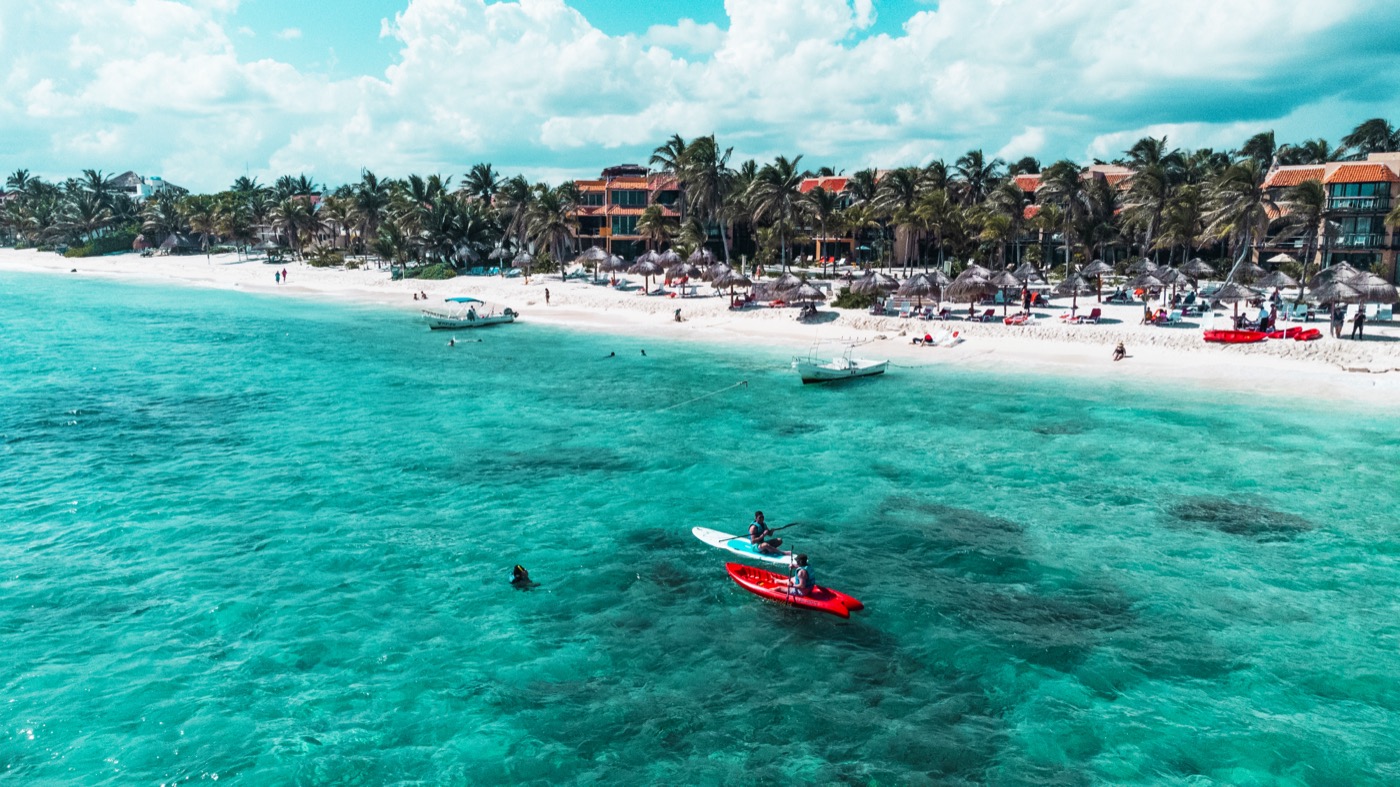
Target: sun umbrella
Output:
[
  {"x": 1096, "y": 269},
  {"x": 715, "y": 271},
  {"x": 701, "y": 256},
  {"x": 498, "y": 253},
  {"x": 1026, "y": 272},
  {"x": 1337, "y": 292},
  {"x": 668, "y": 257},
  {"x": 1339, "y": 272},
  {"x": 731, "y": 280},
  {"x": 787, "y": 281},
  {"x": 1248, "y": 271},
  {"x": 917, "y": 285},
  {"x": 1004, "y": 280},
  {"x": 1143, "y": 265},
  {"x": 682, "y": 270},
  {"x": 806, "y": 293},
  {"x": 646, "y": 266},
  {"x": 1233, "y": 293},
  {"x": 1373, "y": 288},
  {"x": 874, "y": 283},
  {"x": 969, "y": 289},
  {"x": 1074, "y": 285},
  {"x": 1147, "y": 281},
  {"x": 939, "y": 279},
  {"x": 1281, "y": 258},
  {"x": 973, "y": 269},
  {"x": 1276, "y": 280},
  {"x": 1197, "y": 268}
]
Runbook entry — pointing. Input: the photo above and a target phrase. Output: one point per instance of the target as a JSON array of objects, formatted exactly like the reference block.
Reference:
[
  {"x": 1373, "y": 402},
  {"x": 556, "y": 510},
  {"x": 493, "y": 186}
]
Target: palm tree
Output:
[
  {"x": 1182, "y": 222},
  {"x": 1148, "y": 194},
  {"x": 199, "y": 215},
  {"x": 863, "y": 187},
  {"x": 99, "y": 185},
  {"x": 369, "y": 204},
  {"x": 898, "y": 192},
  {"x": 289, "y": 217},
  {"x": 775, "y": 193},
  {"x": 1373, "y": 136},
  {"x": 20, "y": 181},
  {"x": 1261, "y": 148},
  {"x": 655, "y": 227},
  {"x": 1008, "y": 200},
  {"x": 481, "y": 182},
  {"x": 1312, "y": 151},
  {"x": 338, "y": 216},
  {"x": 85, "y": 215},
  {"x": 976, "y": 175},
  {"x": 233, "y": 219},
  {"x": 670, "y": 157},
  {"x": 551, "y": 222},
  {"x": 1028, "y": 165},
  {"x": 1307, "y": 209},
  {"x": 161, "y": 218},
  {"x": 1240, "y": 208},
  {"x": 708, "y": 179},
  {"x": 1062, "y": 186},
  {"x": 823, "y": 206}
]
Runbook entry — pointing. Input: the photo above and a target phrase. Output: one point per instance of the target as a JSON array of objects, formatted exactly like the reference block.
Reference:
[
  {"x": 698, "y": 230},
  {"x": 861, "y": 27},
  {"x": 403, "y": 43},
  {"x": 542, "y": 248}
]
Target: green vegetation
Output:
[{"x": 1168, "y": 203}]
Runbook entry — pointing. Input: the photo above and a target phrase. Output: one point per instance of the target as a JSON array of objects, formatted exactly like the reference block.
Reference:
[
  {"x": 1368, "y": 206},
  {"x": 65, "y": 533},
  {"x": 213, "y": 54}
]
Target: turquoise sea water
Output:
[{"x": 267, "y": 541}]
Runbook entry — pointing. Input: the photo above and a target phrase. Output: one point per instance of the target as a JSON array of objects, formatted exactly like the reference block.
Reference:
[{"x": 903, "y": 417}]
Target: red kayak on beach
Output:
[
  {"x": 774, "y": 586},
  {"x": 1235, "y": 337}
]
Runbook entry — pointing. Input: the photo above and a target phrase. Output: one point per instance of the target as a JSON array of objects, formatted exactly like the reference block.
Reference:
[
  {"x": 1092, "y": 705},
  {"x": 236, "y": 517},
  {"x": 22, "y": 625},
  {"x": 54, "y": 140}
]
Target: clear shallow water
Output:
[{"x": 269, "y": 539}]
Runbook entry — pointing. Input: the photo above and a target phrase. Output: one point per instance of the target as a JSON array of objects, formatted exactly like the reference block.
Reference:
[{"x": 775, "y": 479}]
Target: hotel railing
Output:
[
  {"x": 1360, "y": 241},
  {"x": 1359, "y": 204}
]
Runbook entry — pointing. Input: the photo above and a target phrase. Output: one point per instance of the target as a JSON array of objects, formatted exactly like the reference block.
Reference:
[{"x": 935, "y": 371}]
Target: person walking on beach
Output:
[
  {"x": 1026, "y": 300},
  {"x": 277, "y": 276},
  {"x": 284, "y": 275},
  {"x": 1358, "y": 323},
  {"x": 546, "y": 296},
  {"x": 1339, "y": 316}
]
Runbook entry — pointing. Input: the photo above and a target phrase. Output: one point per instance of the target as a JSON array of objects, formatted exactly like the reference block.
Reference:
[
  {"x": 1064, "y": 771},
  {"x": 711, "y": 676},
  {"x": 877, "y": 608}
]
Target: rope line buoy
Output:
[{"x": 744, "y": 383}]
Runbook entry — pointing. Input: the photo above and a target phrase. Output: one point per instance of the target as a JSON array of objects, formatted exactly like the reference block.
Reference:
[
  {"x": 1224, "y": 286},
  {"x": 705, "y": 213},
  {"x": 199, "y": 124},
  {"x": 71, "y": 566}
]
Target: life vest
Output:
[{"x": 804, "y": 585}]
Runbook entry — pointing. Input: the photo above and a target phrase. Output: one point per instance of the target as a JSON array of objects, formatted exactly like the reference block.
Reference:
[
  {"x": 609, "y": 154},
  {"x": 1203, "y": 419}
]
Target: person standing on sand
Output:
[
  {"x": 277, "y": 276},
  {"x": 284, "y": 275},
  {"x": 546, "y": 296},
  {"x": 1338, "y": 318},
  {"x": 1358, "y": 323}
]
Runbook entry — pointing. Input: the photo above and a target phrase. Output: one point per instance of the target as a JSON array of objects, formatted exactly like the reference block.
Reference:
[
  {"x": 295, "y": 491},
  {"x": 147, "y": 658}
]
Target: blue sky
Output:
[{"x": 203, "y": 90}]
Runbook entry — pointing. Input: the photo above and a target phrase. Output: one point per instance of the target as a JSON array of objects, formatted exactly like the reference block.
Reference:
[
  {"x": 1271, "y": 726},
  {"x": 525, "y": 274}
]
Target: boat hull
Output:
[
  {"x": 821, "y": 373},
  {"x": 773, "y": 586},
  {"x": 443, "y": 321}
]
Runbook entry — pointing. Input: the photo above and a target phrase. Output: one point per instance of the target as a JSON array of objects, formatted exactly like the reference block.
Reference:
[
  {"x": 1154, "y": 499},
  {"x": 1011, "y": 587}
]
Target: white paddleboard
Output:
[{"x": 739, "y": 545}]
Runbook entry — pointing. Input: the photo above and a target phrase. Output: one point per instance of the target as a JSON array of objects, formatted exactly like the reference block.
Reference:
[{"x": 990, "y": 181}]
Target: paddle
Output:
[{"x": 771, "y": 529}]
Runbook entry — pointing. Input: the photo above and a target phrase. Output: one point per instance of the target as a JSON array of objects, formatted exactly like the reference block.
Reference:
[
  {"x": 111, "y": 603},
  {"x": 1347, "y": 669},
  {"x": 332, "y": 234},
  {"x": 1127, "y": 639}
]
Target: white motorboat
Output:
[
  {"x": 468, "y": 313},
  {"x": 825, "y": 370}
]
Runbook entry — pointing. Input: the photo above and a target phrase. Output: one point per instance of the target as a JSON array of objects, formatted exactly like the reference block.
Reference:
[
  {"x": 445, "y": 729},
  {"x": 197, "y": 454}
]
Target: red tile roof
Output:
[
  {"x": 1028, "y": 183},
  {"x": 1284, "y": 177},
  {"x": 1114, "y": 178},
  {"x": 837, "y": 185},
  {"x": 1361, "y": 172},
  {"x": 1030, "y": 211}
]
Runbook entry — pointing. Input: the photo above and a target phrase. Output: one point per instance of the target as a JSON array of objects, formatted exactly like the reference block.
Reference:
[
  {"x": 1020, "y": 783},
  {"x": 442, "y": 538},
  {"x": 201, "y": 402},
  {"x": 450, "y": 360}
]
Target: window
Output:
[
  {"x": 591, "y": 199},
  {"x": 630, "y": 198},
  {"x": 624, "y": 225}
]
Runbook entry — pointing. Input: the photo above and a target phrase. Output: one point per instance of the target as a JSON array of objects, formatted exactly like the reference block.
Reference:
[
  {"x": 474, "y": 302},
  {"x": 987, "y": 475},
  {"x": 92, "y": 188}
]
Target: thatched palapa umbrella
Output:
[
  {"x": 1026, "y": 272},
  {"x": 1373, "y": 288},
  {"x": 1247, "y": 271},
  {"x": 1074, "y": 285},
  {"x": 646, "y": 266},
  {"x": 1276, "y": 280},
  {"x": 969, "y": 288},
  {"x": 1097, "y": 269},
  {"x": 592, "y": 255},
  {"x": 1234, "y": 292},
  {"x": 731, "y": 279},
  {"x": 1337, "y": 292},
  {"x": 875, "y": 284},
  {"x": 1339, "y": 272},
  {"x": 522, "y": 258},
  {"x": 1141, "y": 266},
  {"x": 1279, "y": 259},
  {"x": 701, "y": 256},
  {"x": 806, "y": 293},
  {"x": 1004, "y": 280},
  {"x": 1197, "y": 268},
  {"x": 918, "y": 286}
]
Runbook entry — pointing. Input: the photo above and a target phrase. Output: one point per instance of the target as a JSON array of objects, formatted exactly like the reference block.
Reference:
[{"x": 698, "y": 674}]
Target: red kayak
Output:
[
  {"x": 774, "y": 586},
  {"x": 1287, "y": 333},
  {"x": 1308, "y": 335},
  {"x": 1235, "y": 337}
]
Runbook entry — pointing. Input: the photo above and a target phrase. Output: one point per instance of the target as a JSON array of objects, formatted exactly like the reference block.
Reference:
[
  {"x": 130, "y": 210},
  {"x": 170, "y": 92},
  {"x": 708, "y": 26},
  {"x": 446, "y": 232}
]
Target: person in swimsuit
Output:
[
  {"x": 803, "y": 582},
  {"x": 758, "y": 529}
]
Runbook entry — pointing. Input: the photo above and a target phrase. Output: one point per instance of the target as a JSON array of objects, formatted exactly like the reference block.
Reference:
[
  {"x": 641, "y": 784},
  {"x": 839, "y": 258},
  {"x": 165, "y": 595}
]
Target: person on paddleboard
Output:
[
  {"x": 803, "y": 582},
  {"x": 773, "y": 546},
  {"x": 759, "y": 529}
]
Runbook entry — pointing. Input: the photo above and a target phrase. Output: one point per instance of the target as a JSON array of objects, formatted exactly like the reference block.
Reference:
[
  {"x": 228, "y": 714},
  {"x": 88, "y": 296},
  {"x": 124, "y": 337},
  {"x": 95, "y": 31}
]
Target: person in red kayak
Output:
[
  {"x": 759, "y": 529},
  {"x": 803, "y": 582}
]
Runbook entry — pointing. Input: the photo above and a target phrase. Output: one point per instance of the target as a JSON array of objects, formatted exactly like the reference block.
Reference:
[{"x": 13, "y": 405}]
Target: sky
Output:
[{"x": 202, "y": 91}]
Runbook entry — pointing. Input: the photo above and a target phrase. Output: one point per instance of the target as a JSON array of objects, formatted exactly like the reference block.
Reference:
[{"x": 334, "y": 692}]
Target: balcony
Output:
[
  {"x": 1358, "y": 204},
  {"x": 1359, "y": 241}
]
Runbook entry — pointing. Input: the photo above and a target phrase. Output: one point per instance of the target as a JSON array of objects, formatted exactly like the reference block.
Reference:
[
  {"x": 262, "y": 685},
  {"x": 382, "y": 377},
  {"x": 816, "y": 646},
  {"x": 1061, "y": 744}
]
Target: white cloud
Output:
[
  {"x": 289, "y": 33},
  {"x": 533, "y": 85}
]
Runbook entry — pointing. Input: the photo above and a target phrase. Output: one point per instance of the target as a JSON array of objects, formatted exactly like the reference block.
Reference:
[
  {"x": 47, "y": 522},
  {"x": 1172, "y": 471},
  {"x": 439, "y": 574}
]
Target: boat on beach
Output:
[
  {"x": 465, "y": 312},
  {"x": 844, "y": 367}
]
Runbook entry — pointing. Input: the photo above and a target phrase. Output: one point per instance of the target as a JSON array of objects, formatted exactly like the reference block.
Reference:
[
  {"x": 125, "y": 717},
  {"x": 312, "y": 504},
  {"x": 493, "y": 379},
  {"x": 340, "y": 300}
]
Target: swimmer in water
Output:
[{"x": 519, "y": 577}]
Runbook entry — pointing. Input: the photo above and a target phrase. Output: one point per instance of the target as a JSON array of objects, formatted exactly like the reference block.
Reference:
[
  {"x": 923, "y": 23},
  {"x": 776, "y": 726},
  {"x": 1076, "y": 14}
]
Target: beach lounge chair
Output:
[
  {"x": 1386, "y": 313},
  {"x": 1092, "y": 317},
  {"x": 987, "y": 316},
  {"x": 1174, "y": 318},
  {"x": 906, "y": 312},
  {"x": 1019, "y": 319}
]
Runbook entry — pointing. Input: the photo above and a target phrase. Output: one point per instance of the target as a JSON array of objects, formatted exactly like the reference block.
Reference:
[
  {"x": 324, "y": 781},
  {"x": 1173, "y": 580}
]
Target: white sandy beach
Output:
[{"x": 1364, "y": 372}]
